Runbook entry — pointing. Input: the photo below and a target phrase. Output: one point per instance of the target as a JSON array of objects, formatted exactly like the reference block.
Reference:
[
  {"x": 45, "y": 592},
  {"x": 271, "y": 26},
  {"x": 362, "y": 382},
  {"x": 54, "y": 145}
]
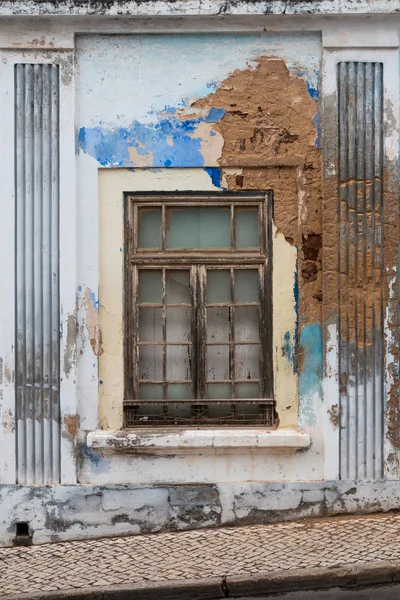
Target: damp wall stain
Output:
[{"x": 310, "y": 371}]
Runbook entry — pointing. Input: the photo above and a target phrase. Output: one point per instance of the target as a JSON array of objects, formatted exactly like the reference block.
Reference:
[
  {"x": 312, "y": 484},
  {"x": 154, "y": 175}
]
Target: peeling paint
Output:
[
  {"x": 170, "y": 142},
  {"x": 215, "y": 175},
  {"x": 91, "y": 306},
  {"x": 7, "y": 420},
  {"x": 70, "y": 347},
  {"x": 289, "y": 347},
  {"x": 333, "y": 413},
  {"x": 71, "y": 425}
]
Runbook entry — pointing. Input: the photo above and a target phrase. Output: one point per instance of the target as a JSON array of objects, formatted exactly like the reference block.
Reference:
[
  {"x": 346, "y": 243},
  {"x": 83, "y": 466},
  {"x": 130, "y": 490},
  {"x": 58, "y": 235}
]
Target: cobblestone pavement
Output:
[{"x": 200, "y": 554}]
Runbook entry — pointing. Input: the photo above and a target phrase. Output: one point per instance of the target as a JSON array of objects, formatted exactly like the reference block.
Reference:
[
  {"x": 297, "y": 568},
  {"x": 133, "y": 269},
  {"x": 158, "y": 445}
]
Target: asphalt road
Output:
[{"x": 385, "y": 592}]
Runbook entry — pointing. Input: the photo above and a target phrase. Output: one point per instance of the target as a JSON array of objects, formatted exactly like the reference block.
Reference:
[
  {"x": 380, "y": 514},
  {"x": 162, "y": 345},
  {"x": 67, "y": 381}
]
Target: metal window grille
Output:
[{"x": 198, "y": 339}]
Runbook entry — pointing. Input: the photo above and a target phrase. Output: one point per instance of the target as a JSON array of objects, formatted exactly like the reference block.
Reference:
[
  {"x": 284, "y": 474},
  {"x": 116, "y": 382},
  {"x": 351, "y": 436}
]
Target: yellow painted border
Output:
[{"x": 113, "y": 183}]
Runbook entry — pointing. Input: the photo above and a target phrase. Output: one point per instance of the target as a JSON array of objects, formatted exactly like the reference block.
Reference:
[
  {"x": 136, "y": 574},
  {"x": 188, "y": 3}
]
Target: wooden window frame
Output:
[{"x": 198, "y": 260}]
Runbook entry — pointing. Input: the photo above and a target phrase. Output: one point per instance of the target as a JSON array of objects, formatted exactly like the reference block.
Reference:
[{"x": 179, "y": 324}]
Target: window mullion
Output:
[
  {"x": 134, "y": 367},
  {"x": 194, "y": 351},
  {"x": 201, "y": 332}
]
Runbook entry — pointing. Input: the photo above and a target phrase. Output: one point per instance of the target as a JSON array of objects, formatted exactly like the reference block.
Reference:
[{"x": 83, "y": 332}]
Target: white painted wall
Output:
[{"x": 131, "y": 79}]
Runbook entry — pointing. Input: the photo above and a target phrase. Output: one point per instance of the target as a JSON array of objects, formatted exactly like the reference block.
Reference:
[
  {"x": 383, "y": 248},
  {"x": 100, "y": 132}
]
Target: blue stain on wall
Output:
[
  {"x": 296, "y": 310},
  {"x": 310, "y": 378},
  {"x": 93, "y": 300},
  {"x": 311, "y": 88},
  {"x": 215, "y": 174},
  {"x": 289, "y": 347},
  {"x": 169, "y": 140}
]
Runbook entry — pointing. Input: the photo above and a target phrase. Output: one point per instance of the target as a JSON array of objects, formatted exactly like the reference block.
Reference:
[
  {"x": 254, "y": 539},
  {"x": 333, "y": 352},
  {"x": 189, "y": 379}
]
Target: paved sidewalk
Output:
[{"x": 203, "y": 554}]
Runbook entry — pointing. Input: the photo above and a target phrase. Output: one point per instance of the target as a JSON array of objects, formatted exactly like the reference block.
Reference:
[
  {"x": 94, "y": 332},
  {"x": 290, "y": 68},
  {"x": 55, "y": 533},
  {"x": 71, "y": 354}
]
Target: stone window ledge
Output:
[{"x": 176, "y": 440}]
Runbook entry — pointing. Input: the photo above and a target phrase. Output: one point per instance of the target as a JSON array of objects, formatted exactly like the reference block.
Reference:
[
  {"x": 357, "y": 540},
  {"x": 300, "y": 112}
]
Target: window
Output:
[{"x": 198, "y": 340}]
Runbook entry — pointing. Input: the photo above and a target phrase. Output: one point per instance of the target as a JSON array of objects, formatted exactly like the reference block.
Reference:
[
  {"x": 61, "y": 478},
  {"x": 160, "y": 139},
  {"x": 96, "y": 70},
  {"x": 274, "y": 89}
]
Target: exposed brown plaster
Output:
[
  {"x": 269, "y": 131},
  {"x": 71, "y": 426}
]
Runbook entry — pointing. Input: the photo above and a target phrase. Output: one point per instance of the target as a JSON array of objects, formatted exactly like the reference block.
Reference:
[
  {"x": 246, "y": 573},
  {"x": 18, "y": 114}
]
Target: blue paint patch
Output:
[
  {"x": 289, "y": 347},
  {"x": 312, "y": 90},
  {"x": 310, "y": 378},
  {"x": 317, "y": 123},
  {"x": 168, "y": 142},
  {"x": 89, "y": 455},
  {"x": 215, "y": 174},
  {"x": 214, "y": 115},
  {"x": 93, "y": 300},
  {"x": 79, "y": 288},
  {"x": 170, "y": 109}
]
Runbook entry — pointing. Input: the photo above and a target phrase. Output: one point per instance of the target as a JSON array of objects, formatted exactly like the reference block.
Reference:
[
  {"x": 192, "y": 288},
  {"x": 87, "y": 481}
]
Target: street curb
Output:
[{"x": 213, "y": 588}]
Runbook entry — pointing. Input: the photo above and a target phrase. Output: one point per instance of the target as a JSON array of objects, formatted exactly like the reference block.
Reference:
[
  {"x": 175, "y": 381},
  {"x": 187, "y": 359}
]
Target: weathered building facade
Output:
[{"x": 200, "y": 242}]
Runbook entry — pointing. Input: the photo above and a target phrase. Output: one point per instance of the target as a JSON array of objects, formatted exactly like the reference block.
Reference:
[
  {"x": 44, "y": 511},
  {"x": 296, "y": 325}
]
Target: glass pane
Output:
[
  {"x": 247, "y": 390},
  {"x": 246, "y": 285},
  {"x": 151, "y": 391},
  {"x": 247, "y": 362},
  {"x": 179, "y": 391},
  {"x": 218, "y": 286},
  {"x": 178, "y": 363},
  {"x": 150, "y": 228},
  {"x": 217, "y": 362},
  {"x": 219, "y": 411},
  {"x": 150, "y": 286},
  {"x": 147, "y": 411},
  {"x": 218, "y": 324},
  {"x": 179, "y": 325},
  {"x": 198, "y": 227},
  {"x": 178, "y": 287},
  {"x": 248, "y": 410},
  {"x": 247, "y": 324},
  {"x": 219, "y": 390},
  {"x": 150, "y": 324},
  {"x": 246, "y": 227},
  {"x": 150, "y": 362},
  {"x": 179, "y": 411}
]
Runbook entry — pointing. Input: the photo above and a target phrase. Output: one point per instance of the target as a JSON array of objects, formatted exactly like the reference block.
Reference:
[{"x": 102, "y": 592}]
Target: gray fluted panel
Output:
[
  {"x": 360, "y": 86},
  {"x": 37, "y": 273}
]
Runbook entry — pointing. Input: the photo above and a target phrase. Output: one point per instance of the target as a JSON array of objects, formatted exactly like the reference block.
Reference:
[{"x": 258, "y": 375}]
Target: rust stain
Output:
[
  {"x": 71, "y": 426},
  {"x": 333, "y": 413}
]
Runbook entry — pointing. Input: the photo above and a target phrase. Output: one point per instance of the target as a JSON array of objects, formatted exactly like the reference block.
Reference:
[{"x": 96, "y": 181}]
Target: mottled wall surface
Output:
[
  {"x": 145, "y": 110},
  {"x": 245, "y": 108}
]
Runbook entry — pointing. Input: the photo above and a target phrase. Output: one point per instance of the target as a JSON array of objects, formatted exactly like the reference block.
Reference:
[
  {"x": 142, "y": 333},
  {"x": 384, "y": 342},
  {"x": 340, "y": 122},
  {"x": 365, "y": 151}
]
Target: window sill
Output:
[{"x": 175, "y": 440}]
